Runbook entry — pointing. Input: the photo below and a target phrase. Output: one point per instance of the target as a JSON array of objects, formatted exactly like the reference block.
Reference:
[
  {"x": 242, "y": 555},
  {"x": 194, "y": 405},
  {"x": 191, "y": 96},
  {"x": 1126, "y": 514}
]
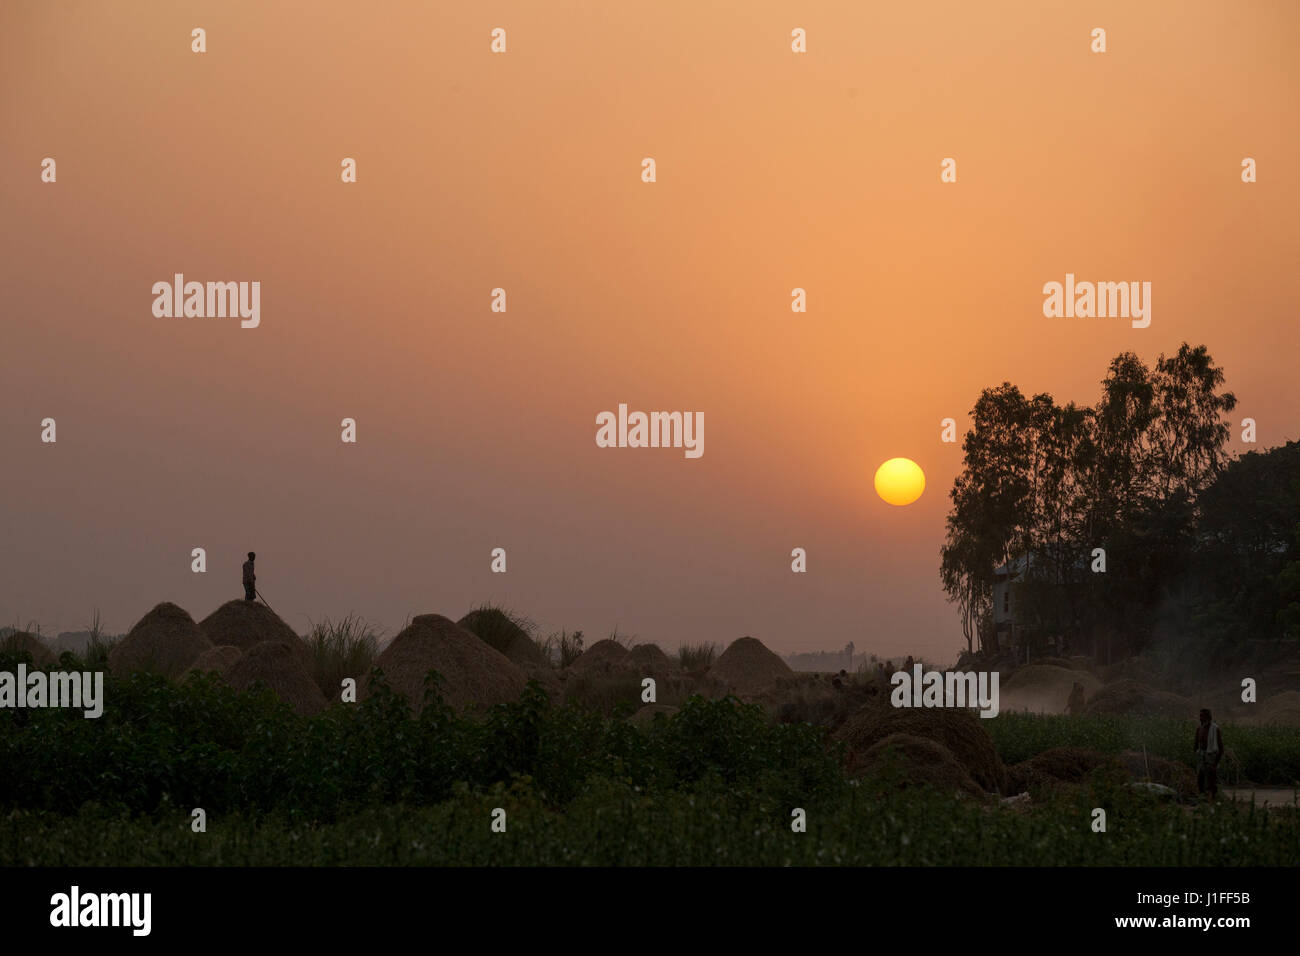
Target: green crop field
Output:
[{"x": 716, "y": 783}]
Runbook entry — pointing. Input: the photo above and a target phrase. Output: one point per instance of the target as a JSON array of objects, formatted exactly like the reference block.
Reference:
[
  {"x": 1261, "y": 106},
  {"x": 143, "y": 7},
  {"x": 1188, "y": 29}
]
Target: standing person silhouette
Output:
[
  {"x": 250, "y": 579},
  {"x": 1209, "y": 748}
]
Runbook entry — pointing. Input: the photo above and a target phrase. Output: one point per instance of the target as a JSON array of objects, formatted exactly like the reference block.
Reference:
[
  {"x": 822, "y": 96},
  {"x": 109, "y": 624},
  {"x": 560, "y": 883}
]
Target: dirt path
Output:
[{"x": 1263, "y": 796}]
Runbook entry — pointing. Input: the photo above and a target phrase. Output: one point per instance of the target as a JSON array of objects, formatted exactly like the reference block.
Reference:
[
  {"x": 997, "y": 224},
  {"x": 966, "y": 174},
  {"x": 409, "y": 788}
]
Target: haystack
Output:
[
  {"x": 247, "y": 623},
  {"x": 603, "y": 657},
  {"x": 646, "y": 715},
  {"x": 280, "y": 668},
  {"x": 165, "y": 641},
  {"x": 1280, "y": 710},
  {"x": 501, "y": 632},
  {"x": 1136, "y": 668},
  {"x": 958, "y": 730},
  {"x": 21, "y": 641},
  {"x": 1060, "y": 765},
  {"x": 747, "y": 667},
  {"x": 473, "y": 673},
  {"x": 1044, "y": 688},
  {"x": 1167, "y": 773},
  {"x": 546, "y": 675},
  {"x": 1135, "y": 698},
  {"x": 651, "y": 661},
  {"x": 215, "y": 659},
  {"x": 1068, "y": 764},
  {"x": 917, "y": 762},
  {"x": 823, "y": 700}
]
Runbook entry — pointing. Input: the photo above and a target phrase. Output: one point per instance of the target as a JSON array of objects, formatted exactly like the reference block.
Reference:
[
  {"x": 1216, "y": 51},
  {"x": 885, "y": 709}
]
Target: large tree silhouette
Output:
[{"x": 1057, "y": 481}]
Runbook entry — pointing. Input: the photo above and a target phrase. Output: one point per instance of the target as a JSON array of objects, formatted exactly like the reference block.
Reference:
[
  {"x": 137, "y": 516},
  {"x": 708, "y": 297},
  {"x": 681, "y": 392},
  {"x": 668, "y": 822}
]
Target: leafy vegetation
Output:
[
  {"x": 498, "y": 626},
  {"x": 616, "y": 824},
  {"x": 714, "y": 783},
  {"x": 1260, "y": 755},
  {"x": 203, "y": 744}
]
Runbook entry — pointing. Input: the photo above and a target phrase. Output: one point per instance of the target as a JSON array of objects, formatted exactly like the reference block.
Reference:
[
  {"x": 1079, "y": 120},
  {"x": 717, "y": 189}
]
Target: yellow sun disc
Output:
[{"x": 900, "y": 481}]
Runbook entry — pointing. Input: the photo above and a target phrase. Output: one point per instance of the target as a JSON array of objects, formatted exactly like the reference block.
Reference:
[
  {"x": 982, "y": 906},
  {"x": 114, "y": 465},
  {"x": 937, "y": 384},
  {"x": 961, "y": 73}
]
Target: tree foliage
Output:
[{"x": 1053, "y": 482}]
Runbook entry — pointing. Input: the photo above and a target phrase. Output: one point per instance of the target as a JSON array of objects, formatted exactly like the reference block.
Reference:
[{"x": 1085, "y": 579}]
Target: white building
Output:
[{"x": 1012, "y": 625}]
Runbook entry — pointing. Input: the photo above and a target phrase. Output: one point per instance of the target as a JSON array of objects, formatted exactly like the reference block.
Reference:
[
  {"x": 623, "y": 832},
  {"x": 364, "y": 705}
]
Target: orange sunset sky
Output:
[{"x": 476, "y": 429}]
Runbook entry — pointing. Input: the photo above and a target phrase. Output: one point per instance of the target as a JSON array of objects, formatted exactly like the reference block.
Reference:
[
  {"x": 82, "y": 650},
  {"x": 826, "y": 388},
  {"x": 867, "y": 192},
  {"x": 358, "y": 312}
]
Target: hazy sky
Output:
[{"x": 477, "y": 429}]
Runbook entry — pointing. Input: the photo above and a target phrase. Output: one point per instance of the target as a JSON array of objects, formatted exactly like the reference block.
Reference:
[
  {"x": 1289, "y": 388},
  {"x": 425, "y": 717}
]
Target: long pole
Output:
[{"x": 264, "y": 600}]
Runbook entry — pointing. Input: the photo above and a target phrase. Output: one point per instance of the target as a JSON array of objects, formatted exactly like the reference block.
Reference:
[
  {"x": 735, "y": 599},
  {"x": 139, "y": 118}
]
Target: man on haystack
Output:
[
  {"x": 1209, "y": 748},
  {"x": 1074, "y": 705},
  {"x": 250, "y": 579}
]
